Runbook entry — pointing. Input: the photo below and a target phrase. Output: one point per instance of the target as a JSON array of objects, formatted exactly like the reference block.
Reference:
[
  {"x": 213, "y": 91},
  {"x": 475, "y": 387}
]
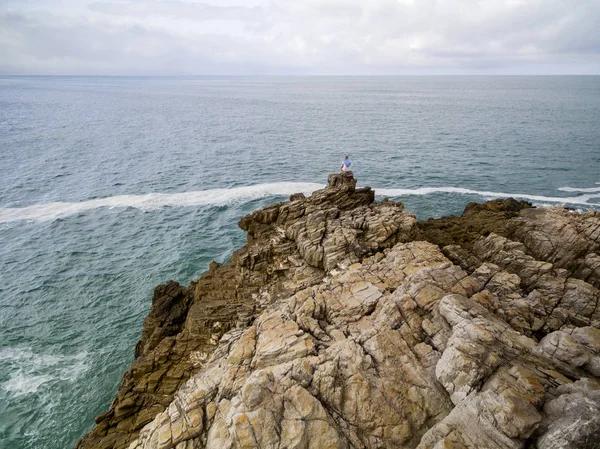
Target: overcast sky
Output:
[{"x": 321, "y": 37}]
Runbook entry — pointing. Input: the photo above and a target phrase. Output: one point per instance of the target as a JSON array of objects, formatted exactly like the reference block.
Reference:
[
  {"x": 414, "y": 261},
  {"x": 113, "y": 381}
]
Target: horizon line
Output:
[{"x": 296, "y": 75}]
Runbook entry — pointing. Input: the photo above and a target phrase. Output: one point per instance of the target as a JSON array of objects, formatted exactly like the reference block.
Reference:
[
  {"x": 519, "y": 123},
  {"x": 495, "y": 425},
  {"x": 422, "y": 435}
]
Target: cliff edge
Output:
[{"x": 345, "y": 323}]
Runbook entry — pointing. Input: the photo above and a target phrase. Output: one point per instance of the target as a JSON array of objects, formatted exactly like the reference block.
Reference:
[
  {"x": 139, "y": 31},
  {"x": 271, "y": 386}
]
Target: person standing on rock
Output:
[{"x": 346, "y": 165}]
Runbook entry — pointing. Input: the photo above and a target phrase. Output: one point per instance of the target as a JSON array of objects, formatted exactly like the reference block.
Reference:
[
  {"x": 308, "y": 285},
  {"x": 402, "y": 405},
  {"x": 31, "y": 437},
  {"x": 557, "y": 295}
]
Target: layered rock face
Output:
[
  {"x": 291, "y": 246},
  {"x": 344, "y": 323}
]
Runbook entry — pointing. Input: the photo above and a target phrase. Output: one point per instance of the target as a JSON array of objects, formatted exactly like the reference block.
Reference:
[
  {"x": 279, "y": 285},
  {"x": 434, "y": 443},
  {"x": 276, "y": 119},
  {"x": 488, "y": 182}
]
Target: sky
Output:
[{"x": 299, "y": 37}]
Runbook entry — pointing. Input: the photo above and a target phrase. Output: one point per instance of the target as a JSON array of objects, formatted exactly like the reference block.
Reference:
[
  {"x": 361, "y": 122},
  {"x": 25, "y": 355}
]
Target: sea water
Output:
[{"x": 110, "y": 186}]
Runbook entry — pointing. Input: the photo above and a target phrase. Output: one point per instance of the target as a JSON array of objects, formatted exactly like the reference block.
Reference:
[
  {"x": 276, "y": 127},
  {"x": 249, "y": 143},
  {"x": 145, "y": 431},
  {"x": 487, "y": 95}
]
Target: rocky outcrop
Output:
[
  {"x": 291, "y": 246},
  {"x": 344, "y": 323},
  {"x": 560, "y": 236}
]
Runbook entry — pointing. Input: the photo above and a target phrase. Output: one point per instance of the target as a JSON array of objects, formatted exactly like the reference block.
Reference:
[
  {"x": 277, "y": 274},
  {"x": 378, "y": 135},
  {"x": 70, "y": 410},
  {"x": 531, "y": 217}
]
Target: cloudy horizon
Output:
[{"x": 310, "y": 37}]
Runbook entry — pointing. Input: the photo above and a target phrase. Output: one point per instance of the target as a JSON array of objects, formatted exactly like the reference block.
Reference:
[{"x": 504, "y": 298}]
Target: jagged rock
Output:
[
  {"x": 321, "y": 367},
  {"x": 291, "y": 246},
  {"x": 502, "y": 415},
  {"x": 572, "y": 420},
  {"x": 563, "y": 237},
  {"x": 565, "y": 348},
  {"x": 338, "y": 326},
  {"x": 344, "y": 180},
  {"x": 170, "y": 305}
]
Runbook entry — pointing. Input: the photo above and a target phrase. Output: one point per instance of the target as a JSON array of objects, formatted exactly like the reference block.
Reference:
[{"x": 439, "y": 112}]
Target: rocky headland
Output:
[{"x": 345, "y": 323}]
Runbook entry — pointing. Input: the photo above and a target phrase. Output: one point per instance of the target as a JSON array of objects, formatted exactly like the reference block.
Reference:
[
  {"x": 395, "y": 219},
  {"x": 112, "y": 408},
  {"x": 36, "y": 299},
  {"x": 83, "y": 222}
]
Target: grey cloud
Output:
[
  {"x": 312, "y": 36},
  {"x": 50, "y": 45},
  {"x": 195, "y": 11},
  {"x": 80, "y": 46}
]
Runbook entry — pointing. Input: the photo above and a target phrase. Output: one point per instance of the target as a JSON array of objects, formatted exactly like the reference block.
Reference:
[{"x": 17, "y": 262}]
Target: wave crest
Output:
[
  {"x": 219, "y": 197},
  {"x": 152, "y": 201},
  {"x": 580, "y": 200}
]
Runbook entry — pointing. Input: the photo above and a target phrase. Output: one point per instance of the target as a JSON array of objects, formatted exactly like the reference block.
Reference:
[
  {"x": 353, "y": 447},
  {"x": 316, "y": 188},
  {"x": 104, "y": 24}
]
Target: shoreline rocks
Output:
[{"x": 345, "y": 323}]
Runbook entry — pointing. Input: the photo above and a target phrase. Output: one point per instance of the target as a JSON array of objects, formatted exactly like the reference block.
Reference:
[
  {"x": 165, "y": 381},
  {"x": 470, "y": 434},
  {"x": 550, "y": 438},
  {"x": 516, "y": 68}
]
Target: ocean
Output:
[{"x": 112, "y": 185}]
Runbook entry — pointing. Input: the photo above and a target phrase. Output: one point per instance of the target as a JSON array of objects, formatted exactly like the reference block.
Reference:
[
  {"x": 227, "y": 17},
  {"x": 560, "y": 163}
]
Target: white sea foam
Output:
[
  {"x": 576, "y": 189},
  {"x": 20, "y": 384},
  {"x": 218, "y": 197},
  {"x": 581, "y": 199},
  {"x": 29, "y": 371},
  {"x": 213, "y": 197}
]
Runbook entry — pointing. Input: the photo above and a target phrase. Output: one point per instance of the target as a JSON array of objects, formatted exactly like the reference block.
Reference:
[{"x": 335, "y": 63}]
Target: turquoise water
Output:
[{"x": 110, "y": 186}]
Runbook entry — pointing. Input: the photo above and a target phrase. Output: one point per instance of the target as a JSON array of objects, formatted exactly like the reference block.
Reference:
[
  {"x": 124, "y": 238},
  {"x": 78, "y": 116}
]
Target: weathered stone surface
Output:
[
  {"x": 291, "y": 246},
  {"x": 563, "y": 237},
  {"x": 323, "y": 365},
  {"x": 572, "y": 420},
  {"x": 345, "y": 324},
  {"x": 565, "y": 348}
]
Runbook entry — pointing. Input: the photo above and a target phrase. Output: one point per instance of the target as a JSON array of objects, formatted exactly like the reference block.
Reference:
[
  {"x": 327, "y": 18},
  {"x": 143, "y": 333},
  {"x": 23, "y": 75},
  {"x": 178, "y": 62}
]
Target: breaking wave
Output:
[
  {"x": 218, "y": 197},
  {"x": 575, "y": 189},
  {"x": 152, "y": 201},
  {"x": 579, "y": 200}
]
